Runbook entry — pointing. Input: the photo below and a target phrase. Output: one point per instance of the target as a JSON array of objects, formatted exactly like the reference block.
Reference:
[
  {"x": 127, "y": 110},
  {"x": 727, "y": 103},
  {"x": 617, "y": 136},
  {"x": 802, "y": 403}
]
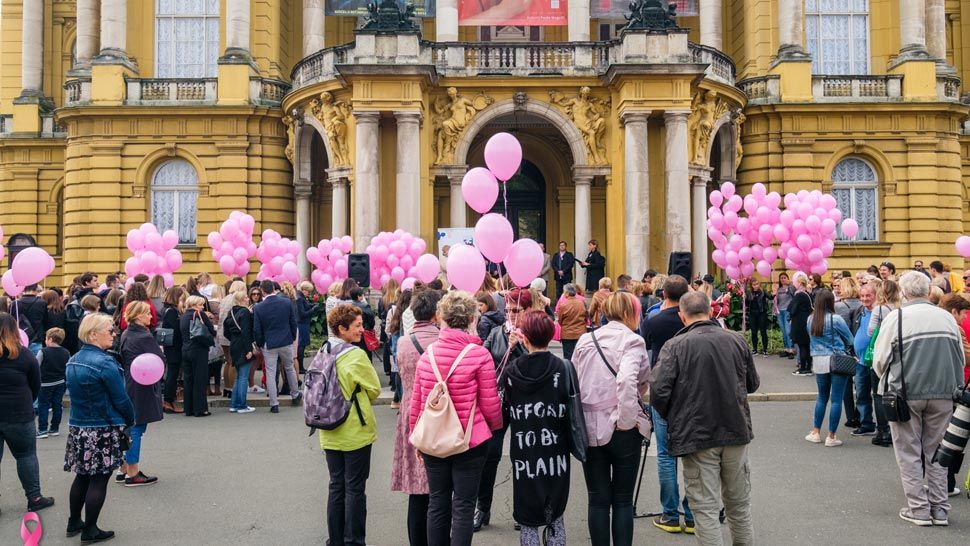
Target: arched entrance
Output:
[{"x": 526, "y": 200}]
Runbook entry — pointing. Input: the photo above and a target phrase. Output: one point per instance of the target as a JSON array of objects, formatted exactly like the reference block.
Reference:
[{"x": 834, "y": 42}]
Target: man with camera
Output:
[
  {"x": 700, "y": 387},
  {"x": 918, "y": 357}
]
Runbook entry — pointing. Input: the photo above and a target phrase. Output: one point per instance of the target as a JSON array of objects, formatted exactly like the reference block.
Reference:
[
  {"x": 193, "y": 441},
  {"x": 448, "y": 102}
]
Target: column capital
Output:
[
  {"x": 635, "y": 116},
  {"x": 583, "y": 179},
  {"x": 366, "y": 116},
  {"x": 676, "y": 115},
  {"x": 408, "y": 116},
  {"x": 302, "y": 189}
]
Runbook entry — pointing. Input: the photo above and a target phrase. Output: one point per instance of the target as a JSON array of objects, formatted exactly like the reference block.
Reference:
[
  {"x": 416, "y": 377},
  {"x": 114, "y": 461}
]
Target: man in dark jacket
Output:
[
  {"x": 274, "y": 328},
  {"x": 656, "y": 331},
  {"x": 563, "y": 263},
  {"x": 700, "y": 386},
  {"x": 30, "y": 310}
]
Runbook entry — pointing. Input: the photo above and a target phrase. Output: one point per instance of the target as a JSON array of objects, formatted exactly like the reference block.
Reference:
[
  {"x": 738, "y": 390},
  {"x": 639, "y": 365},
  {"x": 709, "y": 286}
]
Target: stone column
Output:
[
  {"x": 578, "y": 17},
  {"x": 711, "y": 26},
  {"x": 791, "y": 29},
  {"x": 636, "y": 193},
  {"x": 912, "y": 28},
  {"x": 366, "y": 178},
  {"x": 459, "y": 218},
  {"x": 88, "y": 21},
  {"x": 313, "y": 26},
  {"x": 409, "y": 171},
  {"x": 936, "y": 29},
  {"x": 338, "y": 214},
  {"x": 446, "y": 21},
  {"x": 237, "y": 28},
  {"x": 677, "y": 183},
  {"x": 301, "y": 192},
  {"x": 699, "y": 224},
  {"x": 114, "y": 29},
  {"x": 32, "y": 49},
  {"x": 584, "y": 228}
]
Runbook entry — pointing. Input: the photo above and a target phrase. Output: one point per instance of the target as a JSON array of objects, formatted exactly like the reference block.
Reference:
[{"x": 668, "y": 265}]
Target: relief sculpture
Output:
[
  {"x": 452, "y": 114},
  {"x": 706, "y": 109},
  {"x": 290, "y": 123},
  {"x": 334, "y": 115},
  {"x": 588, "y": 113}
]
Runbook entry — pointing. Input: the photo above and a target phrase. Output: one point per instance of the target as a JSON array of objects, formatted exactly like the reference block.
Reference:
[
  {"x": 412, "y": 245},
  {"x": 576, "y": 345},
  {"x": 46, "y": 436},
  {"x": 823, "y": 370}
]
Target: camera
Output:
[{"x": 957, "y": 432}]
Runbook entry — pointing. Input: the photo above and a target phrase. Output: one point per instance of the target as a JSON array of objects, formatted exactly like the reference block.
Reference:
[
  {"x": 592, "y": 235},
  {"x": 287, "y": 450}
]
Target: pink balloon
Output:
[
  {"x": 815, "y": 255},
  {"x": 850, "y": 228},
  {"x": 381, "y": 254},
  {"x": 30, "y": 266},
  {"x": 24, "y": 340},
  {"x": 503, "y": 155},
  {"x": 480, "y": 189},
  {"x": 716, "y": 221},
  {"x": 132, "y": 266},
  {"x": 170, "y": 240},
  {"x": 734, "y": 203},
  {"x": 346, "y": 244},
  {"x": 407, "y": 284},
  {"x": 135, "y": 240},
  {"x": 427, "y": 267},
  {"x": 10, "y": 286},
  {"x": 246, "y": 224},
  {"x": 747, "y": 269},
  {"x": 744, "y": 255},
  {"x": 153, "y": 241},
  {"x": 397, "y": 274},
  {"x": 759, "y": 190},
  {"x": 718, "y": 258},
  {"x": 418, "y": 246},
  {"x": 466, "y": 268},
  {"x": 290, "y": 270},
  {"x": 733, "y": 272},
  {"x": 764, "y": 268},
  {"x": 786, "y": 217},
  {"x": 340, "y": 268},
  {"x": 493, "y": 237},
  {"x": 227, "y": 265},
  {"x": 229, "y": 229},
  {"x": 962, "y": 244},
  {"x": 524, "y": 261},
  {"x": 313, "y": 255},
  {"x": 716, "y": 198},
  {"x": 727, "y": 189},
  {"x": 384, "y": 279},
  {"x": 835, "y": 215},
  {"x": 149, "y": 261},
  {"x": 239, "y": 255},
  {"x": 398, "y": 248},
  {"x": 763, "y": 213},
  {"x": 813, "y": 224},
  {"x": 731, "y": 258},
  {"x": 770, "y": 254},
  {"x": 795, "y": 255},
  {"x": 147, "y": 369},
  {"x": 392, "y": 261},
  {"x": 242, "y": 269},
  {"x": 828, "y": 247},
  {"x": 827, "y": 227},
  {"x": 406, "y": 262}
]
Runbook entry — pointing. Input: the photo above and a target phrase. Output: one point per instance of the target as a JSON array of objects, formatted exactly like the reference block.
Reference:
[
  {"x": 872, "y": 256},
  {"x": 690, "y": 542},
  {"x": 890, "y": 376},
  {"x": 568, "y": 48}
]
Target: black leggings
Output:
[
  {"x": 89, "y": 492},
  {"x": 611, "y": 475},
  {"x": 804, "y": 357},
  {"x": 486, "y": 487},
  {"x": 171, "y": 379},
  {"x": 418, "y": 520},
  {"x": 759, "y": 326}
]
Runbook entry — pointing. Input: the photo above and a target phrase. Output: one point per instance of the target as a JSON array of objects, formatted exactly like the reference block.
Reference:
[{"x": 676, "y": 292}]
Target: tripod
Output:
[{"x": 636, "y": 495}]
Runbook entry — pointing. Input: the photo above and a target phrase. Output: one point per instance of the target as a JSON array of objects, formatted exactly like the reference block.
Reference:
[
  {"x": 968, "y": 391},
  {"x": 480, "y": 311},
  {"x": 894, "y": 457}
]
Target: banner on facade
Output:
[
  {"x": 357, "y": 8},
  {"x": 483, "y": 13},
  {"x": 618, "y": 9}
]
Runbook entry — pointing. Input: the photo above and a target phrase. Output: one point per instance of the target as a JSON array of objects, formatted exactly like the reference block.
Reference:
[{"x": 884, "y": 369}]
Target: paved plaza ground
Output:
[{"x": 257, "y": 479}]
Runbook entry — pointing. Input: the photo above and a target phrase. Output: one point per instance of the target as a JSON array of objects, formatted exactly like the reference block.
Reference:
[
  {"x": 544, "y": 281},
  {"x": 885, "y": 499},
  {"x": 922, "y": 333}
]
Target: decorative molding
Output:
[
  {"x": 451, "y": 115},
  {"x": 588, "y": 114}
]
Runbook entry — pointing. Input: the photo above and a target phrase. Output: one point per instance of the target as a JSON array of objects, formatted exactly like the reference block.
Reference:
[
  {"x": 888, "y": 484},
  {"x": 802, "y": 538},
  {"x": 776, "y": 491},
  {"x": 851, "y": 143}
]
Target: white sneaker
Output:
[
  {"x": 247, "y": 409},
  {"x": 832, "y": 442},
  {"x": 233, "y": 410},
  {"x": 954, "y": 492},
  {"x": 814, "y": 437},
  {"x": 256, "y": 389}
]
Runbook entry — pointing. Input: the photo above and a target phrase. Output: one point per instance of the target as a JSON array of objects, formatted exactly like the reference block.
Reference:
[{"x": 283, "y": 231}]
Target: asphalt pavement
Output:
[{"x": 258, "y": 479}]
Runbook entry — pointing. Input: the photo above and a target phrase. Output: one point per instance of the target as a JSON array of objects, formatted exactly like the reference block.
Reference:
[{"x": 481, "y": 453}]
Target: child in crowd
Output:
[{"x": 53, "y": 361}]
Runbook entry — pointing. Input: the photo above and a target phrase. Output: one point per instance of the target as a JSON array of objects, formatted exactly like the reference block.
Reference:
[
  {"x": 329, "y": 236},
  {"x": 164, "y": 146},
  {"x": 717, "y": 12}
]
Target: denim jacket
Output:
[
  {"x": 834, "y": 339},
  {"x": 97, "y": 388}
]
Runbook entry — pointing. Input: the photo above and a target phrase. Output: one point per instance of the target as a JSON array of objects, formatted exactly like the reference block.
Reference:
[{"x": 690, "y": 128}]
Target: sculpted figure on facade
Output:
[
  {"x": 334, "y": 115},
  {"x": 738, "y": 150},
  {"x": 589, "y": 115},
  {"x": 290, "y": 123},
  {"x": 706, "y": 109},
  {"x": 452, "y": 114}
]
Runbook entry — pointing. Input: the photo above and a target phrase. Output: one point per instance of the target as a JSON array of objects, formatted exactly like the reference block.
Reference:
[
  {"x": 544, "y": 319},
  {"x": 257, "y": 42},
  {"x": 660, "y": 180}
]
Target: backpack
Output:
[
  {"x": 324, "y": 405},
  {"x": 438, "y": 431}
]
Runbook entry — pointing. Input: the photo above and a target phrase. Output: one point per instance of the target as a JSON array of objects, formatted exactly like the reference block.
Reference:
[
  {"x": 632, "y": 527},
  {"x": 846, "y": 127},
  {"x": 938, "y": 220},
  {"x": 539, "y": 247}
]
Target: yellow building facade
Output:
[{"x": 118, "y": 112}]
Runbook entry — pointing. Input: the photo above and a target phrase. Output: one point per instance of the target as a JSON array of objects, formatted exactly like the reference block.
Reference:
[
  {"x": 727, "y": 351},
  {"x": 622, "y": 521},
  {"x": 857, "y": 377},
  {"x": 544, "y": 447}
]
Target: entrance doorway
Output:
[{"x": 526, "y": 194}]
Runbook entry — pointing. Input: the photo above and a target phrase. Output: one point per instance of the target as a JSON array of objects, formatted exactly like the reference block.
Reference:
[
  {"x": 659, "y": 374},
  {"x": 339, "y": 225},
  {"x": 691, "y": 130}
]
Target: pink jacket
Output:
[
  {"x": 474, "y": 378},
  {"x": 613, "y": 403}
]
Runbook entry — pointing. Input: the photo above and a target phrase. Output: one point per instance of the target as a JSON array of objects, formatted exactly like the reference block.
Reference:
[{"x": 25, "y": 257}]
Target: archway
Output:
[{"x": 526, "y": 200}]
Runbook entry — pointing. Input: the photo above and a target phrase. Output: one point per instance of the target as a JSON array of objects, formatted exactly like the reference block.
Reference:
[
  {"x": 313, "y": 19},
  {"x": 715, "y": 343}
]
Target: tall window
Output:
[
  {"x": 175, "y": 195},
  {"x": 837, "y": 36},
  {"x": 854, "y": 188},
  {"x": 186, "y": 38}
]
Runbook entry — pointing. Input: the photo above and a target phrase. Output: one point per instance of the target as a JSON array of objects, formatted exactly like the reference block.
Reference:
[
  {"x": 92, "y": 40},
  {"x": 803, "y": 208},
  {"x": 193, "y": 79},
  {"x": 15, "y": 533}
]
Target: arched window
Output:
[
  {"x": 837, "y": 36},
  {"x": 175, "y": 195},
  {"x": 854, "y": 188},
  {"x": 186, "y": 38}
]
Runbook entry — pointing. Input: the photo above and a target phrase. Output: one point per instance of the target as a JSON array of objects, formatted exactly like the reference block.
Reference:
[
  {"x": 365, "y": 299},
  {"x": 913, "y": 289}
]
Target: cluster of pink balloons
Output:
[
  {"x": 400, "y": 255},
  {"x": 277, "y": 256},
  {"x": 963, "y": 246},
  {"x": 30, "y": 266},
  {"x": 154, "y": 253},
  {"x": 804, "y": 231},
  {"x": 329, "y": 258},
  {"x": 233, "y": 246}
]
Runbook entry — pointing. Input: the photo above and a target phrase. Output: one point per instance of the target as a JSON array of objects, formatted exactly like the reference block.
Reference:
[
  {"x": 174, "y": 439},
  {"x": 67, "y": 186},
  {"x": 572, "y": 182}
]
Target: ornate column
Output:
[
  {"x": 88, "y": 21},
  {"x": 677, "y": 183},
  {"x": 636, "y": 192},
  {"x": 912, "y": 28},
  {"x": 114, "y": 30},
  {"x": 409, "y": 171},
  {"x": 366, "y": 178},
  {"x": 791, "y": 29},
  {"x": 584, "y": 228},
  {"x": 699, "y": 179},
  {"x": 711, "y": 26},
  {"x": 313, "y": 26},
  {"x": 302, "y": 192},
  {"x": 446, "y": 21},
  {"x": 578, "y": 17},
  {"x": 32, "y": 49},
  {"x": 237, "y": 28},
  {"x": 338, "y": 213}
]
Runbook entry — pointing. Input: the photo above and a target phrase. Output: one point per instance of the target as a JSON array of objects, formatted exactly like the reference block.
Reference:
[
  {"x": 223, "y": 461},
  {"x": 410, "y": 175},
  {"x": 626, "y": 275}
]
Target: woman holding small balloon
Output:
[{"x": 142, "y": 360}]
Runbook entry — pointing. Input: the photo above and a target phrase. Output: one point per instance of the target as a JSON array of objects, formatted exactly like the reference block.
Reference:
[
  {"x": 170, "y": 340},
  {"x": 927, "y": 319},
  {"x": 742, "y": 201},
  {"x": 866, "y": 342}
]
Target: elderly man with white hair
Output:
[{"x": 919, "y": 356}]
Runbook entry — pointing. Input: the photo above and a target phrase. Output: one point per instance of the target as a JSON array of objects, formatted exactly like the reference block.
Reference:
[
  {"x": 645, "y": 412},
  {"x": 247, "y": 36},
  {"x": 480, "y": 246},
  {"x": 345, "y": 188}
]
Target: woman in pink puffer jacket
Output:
[{"x": 472, "y": 382}]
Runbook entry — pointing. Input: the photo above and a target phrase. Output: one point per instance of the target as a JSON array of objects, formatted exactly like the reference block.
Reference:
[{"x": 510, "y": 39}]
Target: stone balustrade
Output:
[
  {"x": 171, "y": 90},
  {"x": 857, "y": 88}
]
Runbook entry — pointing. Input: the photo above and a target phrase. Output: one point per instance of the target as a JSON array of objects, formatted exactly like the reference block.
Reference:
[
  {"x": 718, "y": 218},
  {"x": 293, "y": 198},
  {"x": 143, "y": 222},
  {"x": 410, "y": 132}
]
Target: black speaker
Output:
[
  {"x": 358, "y": 268},
  {"x": 680, "y": 263}
]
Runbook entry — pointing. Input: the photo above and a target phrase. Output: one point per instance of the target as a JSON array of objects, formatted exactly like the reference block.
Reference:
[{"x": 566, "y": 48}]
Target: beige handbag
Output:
[{"x": 438, "y": 431}]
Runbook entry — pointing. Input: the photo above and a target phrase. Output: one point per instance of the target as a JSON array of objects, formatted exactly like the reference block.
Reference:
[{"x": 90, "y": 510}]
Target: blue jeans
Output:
[
  {"x": 667, "y": 473},
  {"x": 133, "y": 455},
  {"x": 831, "y": 387},
  {"x": 785, "y": 325},
  {"x": 50, "y": 398},
  {"x": 22, "y": 439},
  {"x": 239, "y": 390},
  {"x": 863, "y": 401}
]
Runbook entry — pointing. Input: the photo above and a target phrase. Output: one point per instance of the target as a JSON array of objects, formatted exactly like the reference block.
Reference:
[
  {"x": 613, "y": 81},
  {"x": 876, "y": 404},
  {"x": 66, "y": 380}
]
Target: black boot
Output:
[
  {"x": 92, "y": 534},
  {"x": 481, "y": 519},
  {"x": 74, "y": 527}
]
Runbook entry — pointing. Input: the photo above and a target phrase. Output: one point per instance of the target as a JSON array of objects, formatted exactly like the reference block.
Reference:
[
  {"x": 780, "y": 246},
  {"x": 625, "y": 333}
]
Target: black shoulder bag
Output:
[
  {"x": 578, "y": 439},
  {"x": 894, "y": 403},
  {"x": 840, "y": 364}
]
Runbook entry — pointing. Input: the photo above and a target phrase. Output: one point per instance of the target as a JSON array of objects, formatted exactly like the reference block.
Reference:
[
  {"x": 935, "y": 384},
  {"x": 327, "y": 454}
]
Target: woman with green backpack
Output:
[{"x": 887, "y": 300}]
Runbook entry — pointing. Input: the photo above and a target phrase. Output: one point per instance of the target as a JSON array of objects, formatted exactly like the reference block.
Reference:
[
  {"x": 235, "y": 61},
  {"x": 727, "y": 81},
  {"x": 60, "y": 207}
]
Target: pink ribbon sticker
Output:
[{"x": 31, "y": 538}]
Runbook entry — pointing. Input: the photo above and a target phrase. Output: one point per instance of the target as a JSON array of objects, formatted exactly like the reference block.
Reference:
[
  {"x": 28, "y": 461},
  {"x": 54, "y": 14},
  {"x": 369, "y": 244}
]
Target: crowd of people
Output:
[{"x": 640, "y": 359}]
